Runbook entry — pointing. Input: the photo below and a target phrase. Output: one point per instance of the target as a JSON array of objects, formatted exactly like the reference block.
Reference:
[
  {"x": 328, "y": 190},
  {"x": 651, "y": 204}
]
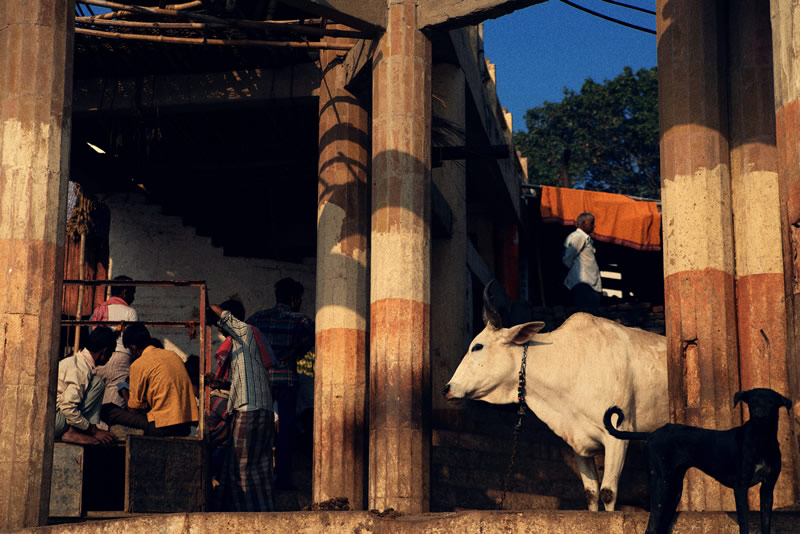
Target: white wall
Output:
[{"x": 147, "y": 245}]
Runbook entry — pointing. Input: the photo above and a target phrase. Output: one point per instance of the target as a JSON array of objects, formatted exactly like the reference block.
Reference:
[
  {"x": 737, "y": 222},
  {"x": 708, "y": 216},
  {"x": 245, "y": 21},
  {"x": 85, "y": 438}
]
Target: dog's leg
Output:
[
  {"x": 665, "y": 494},
  {"x": 766, "y": 491},
  {"x": 591, "y": 485},
  {"x": 614, "y": 460},
  {"x": 743, "y": 509}
]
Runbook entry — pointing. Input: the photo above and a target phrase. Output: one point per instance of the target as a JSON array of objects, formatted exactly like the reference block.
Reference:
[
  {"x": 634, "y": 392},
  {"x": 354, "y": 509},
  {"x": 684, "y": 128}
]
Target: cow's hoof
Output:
[
  {"x": 591, "y": 500},
  {"x": 606, "y": 495}
]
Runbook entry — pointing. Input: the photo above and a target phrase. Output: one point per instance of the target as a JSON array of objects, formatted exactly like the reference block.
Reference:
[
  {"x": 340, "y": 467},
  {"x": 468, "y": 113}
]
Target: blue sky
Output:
[{"x": 543, "y": 48}]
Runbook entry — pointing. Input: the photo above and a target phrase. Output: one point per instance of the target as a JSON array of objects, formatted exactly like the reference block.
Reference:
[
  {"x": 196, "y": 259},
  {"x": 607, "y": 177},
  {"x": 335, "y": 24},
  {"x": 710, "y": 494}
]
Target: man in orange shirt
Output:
[{"x": 159, "y": 386}]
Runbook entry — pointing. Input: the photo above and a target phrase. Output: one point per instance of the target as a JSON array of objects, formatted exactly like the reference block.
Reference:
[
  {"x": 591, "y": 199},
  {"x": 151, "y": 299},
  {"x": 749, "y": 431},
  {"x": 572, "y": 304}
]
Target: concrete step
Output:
[{"x": 551, "y": 522}]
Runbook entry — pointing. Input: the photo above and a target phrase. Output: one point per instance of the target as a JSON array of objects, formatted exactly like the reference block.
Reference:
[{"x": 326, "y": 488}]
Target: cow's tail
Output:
[{"x": 621, "y": 434}]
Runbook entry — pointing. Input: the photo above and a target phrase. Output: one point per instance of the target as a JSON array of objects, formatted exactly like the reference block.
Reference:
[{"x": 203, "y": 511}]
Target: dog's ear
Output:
[
  {"x": 739, "y": 396},
  {"x": 787, "y": 403}
]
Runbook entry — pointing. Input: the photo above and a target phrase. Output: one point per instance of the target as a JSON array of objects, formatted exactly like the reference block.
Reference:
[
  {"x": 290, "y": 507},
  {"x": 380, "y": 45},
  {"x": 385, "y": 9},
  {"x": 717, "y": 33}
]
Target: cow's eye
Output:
[{"x": 477, "y": 346}]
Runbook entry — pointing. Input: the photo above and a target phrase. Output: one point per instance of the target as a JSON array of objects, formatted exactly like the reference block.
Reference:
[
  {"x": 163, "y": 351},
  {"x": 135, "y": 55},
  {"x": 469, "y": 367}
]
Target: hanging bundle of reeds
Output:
[{"x": 80, "y": 220}]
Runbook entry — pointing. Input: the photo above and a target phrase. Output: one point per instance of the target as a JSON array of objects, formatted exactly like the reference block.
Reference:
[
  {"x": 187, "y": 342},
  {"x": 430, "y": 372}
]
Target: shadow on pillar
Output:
[{"x": 400, "y": 385}]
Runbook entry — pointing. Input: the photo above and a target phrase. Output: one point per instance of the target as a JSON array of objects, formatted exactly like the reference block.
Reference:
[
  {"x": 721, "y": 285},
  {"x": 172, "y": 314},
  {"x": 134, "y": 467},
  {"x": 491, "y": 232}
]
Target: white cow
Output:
[{"x": 572, "y": 376}]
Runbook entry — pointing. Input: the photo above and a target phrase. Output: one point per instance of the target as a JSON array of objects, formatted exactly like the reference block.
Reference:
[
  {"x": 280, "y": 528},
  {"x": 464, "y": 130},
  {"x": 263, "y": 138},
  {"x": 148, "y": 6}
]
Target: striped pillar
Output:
[
  {"x": 399, "y": 435},
  {"x": 340, "y": 384},
  {"x": 698, "y": 235},
  {"x": 450, "y": 310},
  {"x": 760, "y": 305},
  {"x": 35, "y": 100},
  {"x": 785, "y": 42}
]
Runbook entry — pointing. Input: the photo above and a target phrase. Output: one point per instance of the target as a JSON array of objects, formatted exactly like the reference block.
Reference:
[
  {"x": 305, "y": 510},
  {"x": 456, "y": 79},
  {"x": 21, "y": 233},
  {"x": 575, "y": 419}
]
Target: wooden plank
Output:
[
  {"x": 164, "y": 475},
  {"x": 66, "y": 483}
]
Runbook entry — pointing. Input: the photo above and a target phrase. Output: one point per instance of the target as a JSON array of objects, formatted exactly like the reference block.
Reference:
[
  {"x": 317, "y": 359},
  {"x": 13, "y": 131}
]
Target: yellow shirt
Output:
[{"x": 160, "y": 383}]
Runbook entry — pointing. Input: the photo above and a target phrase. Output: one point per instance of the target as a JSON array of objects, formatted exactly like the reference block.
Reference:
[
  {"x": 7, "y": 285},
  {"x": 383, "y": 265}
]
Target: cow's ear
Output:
[
  {"x": 522, "y": 333},
  {"x": 739, "y": 396}
]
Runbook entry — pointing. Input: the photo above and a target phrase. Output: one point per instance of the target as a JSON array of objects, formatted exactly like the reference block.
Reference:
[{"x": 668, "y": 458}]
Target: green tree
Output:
[{"x": 609, "y": 131}]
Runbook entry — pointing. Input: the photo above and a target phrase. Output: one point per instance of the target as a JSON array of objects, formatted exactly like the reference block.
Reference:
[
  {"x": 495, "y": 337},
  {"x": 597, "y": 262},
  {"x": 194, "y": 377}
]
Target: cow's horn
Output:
[{"x": 490, "y": 314}]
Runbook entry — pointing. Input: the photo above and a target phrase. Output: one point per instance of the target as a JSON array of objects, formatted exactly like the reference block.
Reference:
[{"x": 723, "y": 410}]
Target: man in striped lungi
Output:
[{"x": 246, "y": 478}]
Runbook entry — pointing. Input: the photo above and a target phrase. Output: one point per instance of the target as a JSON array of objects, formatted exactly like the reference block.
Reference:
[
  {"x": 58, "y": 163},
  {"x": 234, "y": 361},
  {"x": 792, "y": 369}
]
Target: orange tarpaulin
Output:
[{"x": 618, "y": 219}]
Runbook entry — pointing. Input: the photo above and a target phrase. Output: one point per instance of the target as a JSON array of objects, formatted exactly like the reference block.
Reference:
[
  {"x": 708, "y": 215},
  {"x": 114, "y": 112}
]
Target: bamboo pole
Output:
[
  {"x": 262, "y": 25},
  {"x": 81, "y": 288},
  {"x": 173, "y": 7},
  {"x": 154, "y": 25},
  {"x": 185, "y": 5},
  {"x": 234, "y": 23},
  {"x": 216, "y": 42}
]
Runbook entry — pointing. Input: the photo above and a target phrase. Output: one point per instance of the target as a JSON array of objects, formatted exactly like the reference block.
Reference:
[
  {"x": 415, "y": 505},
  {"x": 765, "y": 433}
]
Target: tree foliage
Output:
[{"x": 610, "y": 130}]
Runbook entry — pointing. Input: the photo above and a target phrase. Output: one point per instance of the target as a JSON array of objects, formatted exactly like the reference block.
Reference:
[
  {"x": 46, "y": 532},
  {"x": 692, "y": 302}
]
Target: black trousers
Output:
[{"x": 586, "y": 299}]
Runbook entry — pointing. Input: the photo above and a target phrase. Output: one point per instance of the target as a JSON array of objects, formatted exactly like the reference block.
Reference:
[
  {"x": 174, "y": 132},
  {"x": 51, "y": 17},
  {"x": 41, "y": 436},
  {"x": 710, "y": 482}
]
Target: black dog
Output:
[{"x": 738, "y": 458}]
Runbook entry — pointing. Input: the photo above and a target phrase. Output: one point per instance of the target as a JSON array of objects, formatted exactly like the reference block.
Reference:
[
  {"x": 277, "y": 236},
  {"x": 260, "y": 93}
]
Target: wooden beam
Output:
[
  {"x": 357, "y": 58},
  {"x": 459, "y": 13},
  {"x": 368, "y": 16}
]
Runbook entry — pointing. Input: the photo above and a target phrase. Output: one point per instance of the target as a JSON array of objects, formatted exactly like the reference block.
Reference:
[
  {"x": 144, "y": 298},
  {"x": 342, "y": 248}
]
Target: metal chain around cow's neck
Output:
[{"x": 518, "y": 426}]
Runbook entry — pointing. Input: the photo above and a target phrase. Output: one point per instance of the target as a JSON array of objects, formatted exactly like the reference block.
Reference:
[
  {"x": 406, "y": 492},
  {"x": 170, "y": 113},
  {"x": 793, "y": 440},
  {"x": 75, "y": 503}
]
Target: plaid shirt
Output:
[
  {"x": 290, "y": 334},
  {"x": 249, "y": 385},
  {"x": 221, "y": 364}
]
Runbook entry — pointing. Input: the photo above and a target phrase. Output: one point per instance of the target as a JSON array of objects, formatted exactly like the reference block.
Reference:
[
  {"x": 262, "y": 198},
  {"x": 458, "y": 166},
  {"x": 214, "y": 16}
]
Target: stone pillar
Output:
[
  {"x": 399, "y": 435},
  {"x": 340, "y": 427},
  {"x": 35, "y": 102},
  {"x": 698, "y": 235},
  {"x": 760, "y": 305},
  {"x": 450, "y": 334},
  {"x": 786, "y": 68}
]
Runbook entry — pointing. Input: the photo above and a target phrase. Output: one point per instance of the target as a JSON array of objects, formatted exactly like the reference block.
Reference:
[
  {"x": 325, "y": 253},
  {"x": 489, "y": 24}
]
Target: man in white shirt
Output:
[
  {"x": 80, "y": 391},
  {"x": 583, "y": 278}
]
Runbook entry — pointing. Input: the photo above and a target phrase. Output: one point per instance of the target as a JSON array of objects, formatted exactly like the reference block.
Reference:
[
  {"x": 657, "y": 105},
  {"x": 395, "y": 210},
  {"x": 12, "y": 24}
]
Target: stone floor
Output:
[{"x": 528, "y": 522}]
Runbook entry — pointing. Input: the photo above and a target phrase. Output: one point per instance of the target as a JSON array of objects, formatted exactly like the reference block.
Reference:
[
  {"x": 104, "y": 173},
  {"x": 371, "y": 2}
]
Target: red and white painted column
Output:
[
  {"x": 784, "y": 15},
  {"x": 760, "y": 305},
  {"x": 698, "y": 229},
  {"x": 340, "y": 426},
  {"x": 399, "y": 435},
  {"x": 35, "y": 106}
]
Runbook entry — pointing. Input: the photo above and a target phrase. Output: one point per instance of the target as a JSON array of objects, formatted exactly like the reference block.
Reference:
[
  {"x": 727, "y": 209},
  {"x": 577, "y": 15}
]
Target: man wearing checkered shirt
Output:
[{"x": 291, "y": 335}]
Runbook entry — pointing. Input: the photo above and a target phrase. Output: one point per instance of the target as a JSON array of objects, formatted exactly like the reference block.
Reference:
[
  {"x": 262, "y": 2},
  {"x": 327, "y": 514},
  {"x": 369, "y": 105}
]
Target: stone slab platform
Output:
[{"x": 545, "y": 521}]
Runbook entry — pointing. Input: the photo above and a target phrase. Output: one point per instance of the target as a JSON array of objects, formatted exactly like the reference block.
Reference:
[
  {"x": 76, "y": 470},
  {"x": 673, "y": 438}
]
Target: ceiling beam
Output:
[
  {"x": 369, "y": 16},
  {"x": 449, "y": 14}
]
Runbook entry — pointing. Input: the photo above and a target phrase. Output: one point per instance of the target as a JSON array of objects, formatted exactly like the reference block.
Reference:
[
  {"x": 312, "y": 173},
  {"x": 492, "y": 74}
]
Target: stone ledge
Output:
[{"x": 556, "y": 521}]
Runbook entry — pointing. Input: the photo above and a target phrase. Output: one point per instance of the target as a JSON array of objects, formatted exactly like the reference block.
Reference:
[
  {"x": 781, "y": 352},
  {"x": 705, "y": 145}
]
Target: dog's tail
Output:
[{"x": 621, "y": 434}]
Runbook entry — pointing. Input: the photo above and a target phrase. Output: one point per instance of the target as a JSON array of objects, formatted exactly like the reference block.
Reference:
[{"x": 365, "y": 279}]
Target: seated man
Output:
[
  {"x": 115, "y": 372},
  {"x": 79, "y": 392},
  {"x": 159, "y": 386}
]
